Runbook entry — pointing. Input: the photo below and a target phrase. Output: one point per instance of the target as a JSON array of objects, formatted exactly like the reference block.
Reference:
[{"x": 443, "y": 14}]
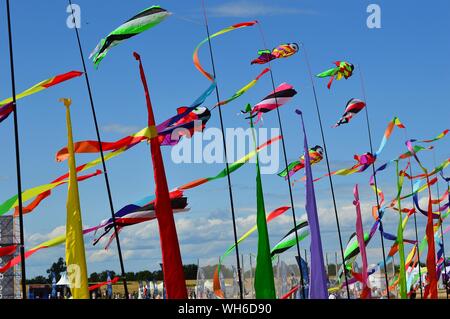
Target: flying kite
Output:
[
  {"x": 6, "y": 106},
  {"x": 342, "y": 70},
  {"x": 290, "y": 239},
  {"x": 139, "y": 212},
  {"x": 281, "y": 51},
  {"x": 282, "y": 95},
  {"x": 353, "y": 107},
  {"x": 141, "y": 22},
  {"x": 315, "y": 154},
  {"x": 185, "y": 123}
]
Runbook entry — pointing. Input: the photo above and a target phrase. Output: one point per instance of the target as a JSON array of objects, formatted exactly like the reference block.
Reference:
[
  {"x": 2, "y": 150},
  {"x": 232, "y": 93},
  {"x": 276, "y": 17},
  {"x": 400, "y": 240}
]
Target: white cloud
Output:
[
  {"x": 37, "y": 238},
  {"x": 246, "y": 8},
  {"x": 101, "y": 255}
]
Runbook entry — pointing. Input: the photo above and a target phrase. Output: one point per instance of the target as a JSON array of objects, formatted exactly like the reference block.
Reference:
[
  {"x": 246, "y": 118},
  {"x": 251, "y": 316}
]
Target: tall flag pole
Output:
[
  {"x": 318, "y": 282},
  {"x": 264, "y": 279},
  {"x": 375, "y": 181},
  {"x": 415, "y": 223},
  {"x": 99, "y": 140},
  {"x": 172, "y": 265},
  {"x": 441, "y": 227},
  {"x": 75, "y": 252},
  {"x": 341, "y": 246},
  {"x": 230, "y": 190},
  {"x": 288, "y": 176},
  {"x": 16, "y": 139}
]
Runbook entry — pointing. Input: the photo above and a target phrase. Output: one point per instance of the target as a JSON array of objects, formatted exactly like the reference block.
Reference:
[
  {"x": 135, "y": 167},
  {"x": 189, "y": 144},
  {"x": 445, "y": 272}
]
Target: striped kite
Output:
[
  {"x": 282, "y": 95},
  {"x": 281, "y": 51},
  {"x": 141, "y": 22},
  {"x": 342, "y": 70},
  {"x": 353, "y": 107}
]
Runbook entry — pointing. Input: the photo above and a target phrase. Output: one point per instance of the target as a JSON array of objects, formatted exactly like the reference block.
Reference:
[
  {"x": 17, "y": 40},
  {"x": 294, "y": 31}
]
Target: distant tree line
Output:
[{"x": 59, "y": 267}]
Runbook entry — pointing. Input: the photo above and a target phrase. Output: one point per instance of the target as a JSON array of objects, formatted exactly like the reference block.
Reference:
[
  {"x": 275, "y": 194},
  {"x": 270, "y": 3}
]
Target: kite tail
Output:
[
  {"x": 96, "y": 56},
  {"x": 330, "y": 82}
]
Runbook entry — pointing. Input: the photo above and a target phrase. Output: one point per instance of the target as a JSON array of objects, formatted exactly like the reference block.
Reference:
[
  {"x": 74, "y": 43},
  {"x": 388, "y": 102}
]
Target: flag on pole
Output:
[
  {"x": 75, "y": 253},
  {"x": 318, "y": 286},
  {"x": 174, "y": 282},
  {"x": 264, "y": 280}
]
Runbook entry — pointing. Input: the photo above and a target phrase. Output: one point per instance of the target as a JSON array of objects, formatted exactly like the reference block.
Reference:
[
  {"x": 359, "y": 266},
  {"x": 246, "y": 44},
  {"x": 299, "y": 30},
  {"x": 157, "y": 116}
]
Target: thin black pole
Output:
[
  {"x": 230, "y": 191},
  {"x": 341, "y": 246},
  {"x": 108, "y": 188},
  {"x": 16, "y": 139},
  {"x": 375, "y": 180},
  {"x": 415, "y": 223},
  {"x": 442, "y": 231},
  {"x": 283, "y": 143}
]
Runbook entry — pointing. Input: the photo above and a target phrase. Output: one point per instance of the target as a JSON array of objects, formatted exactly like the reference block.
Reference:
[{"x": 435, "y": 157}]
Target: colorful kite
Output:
[
  {"x": 185, "y": 123},
  {"x": 342, "y": 70},
  {"x": 282, "y": 95},
  {"x": 281, "y": 51},
  {"x": 315, "y": 154},
  {"x": 6, "y": 110},
  {"x": 365, "y": 160},
  {"x": 6, "y": 106},
  {"x": 141, "y": 22},
  {"x": 243, "y": 90},
  {"x": 353, "y": 107},
  {"x": 289, "y": 240},
  {"x": 139, "y": 212},
  {"x": 228, "y": 29}
]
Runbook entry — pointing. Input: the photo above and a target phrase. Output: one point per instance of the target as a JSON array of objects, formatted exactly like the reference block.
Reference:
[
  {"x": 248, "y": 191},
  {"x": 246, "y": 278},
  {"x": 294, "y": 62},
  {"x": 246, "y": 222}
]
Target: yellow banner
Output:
[{"x": 75, "y": 253}]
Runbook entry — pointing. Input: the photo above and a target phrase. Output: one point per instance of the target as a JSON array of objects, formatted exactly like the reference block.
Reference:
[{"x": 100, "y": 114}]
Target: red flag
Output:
[
  {"x": 431, "y": 289},
  {"x": 172, "y": 265}
]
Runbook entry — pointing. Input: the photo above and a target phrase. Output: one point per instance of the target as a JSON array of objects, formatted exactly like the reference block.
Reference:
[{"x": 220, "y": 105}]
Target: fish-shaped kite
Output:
[
  {"x": 342, "y": 70},
  {"x": 139, "y": 212},
  {"x": 282, "y": 95},
  {"x": 187, "y": 121},
  {"x": 141, "y": 22},
  {"x": 353, "y": 107},
  {"x": 281, "y": 51},
  {"x": 315, "y": 154}
]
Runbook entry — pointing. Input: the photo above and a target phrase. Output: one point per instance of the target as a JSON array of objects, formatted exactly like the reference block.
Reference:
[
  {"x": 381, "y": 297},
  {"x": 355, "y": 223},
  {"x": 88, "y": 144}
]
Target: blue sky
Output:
[{"x": 405, "y": 65}]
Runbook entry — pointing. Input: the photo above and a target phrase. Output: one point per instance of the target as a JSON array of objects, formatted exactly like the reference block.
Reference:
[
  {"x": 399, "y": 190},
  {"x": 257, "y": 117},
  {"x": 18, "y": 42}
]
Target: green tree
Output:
[
  {"x": 38, "y": 280},
  {"x": 57, "y": 268},
  {"x": 190, "y": 271}
]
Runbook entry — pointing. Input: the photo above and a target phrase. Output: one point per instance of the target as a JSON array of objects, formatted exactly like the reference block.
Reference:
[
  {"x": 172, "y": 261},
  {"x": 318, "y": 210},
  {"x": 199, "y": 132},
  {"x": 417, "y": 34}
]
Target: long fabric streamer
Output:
[
  {"x": 171, "y": 256},
  {"x": 318, "y": 284},
  {"x": 6, "y": 106}
]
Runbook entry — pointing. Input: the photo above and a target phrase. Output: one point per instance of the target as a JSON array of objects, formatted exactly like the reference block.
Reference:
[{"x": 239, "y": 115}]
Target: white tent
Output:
[{"x": 64, "y": 281}]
